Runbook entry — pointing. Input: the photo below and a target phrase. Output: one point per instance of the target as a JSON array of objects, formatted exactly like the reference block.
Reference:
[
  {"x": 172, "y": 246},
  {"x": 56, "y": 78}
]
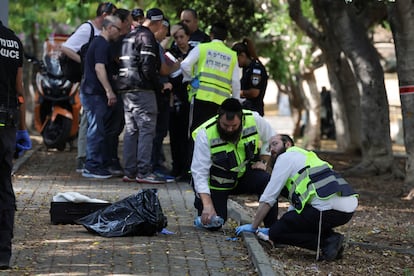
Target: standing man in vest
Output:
[
  {"x": 11, "y": 102},
  {"x": 213, "y": 73},
  {"x": 315, "y": 209},
  {"x": 71, "y": 48},
  {"x": 227, "y": 160}
]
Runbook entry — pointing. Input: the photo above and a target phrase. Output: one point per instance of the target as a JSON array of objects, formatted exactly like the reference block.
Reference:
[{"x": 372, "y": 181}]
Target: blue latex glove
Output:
[
  {"x": 23, "y": 142},
  {"x": 245, "y": 228},
  {"x": 195, "y": 83},
  {"x": 165, "y": 231}
]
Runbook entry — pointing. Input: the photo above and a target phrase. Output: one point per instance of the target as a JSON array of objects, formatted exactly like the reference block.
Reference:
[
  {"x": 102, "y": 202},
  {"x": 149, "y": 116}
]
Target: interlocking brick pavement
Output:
[{"x": 41, "y": 248}]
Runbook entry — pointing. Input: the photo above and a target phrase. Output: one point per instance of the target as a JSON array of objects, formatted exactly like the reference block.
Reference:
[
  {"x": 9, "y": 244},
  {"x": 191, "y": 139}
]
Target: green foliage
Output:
[
  {"x": 243, "y": 18},
  {"x": 267, "y": 22}
]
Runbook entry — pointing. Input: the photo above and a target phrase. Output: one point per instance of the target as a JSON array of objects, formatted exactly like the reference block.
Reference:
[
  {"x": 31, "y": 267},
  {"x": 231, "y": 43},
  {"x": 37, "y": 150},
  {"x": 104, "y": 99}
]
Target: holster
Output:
[{"x": 8, "y": 117}]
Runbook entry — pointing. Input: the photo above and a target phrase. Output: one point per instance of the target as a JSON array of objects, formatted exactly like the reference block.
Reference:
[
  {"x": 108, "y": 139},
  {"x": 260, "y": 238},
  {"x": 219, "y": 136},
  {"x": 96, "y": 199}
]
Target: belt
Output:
[{"x": 134, "y": 90}]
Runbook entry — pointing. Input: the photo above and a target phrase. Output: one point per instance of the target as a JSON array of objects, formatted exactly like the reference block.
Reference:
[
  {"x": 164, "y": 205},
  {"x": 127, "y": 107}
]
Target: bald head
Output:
[{"x": 190, "y": 18}]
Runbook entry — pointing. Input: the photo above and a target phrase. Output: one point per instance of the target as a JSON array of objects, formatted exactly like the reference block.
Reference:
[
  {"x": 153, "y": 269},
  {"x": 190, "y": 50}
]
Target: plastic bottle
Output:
[{"x": 215, "y": 221}]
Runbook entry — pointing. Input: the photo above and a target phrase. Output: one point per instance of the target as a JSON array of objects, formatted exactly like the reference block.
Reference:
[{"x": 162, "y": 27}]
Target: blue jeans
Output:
[
  {"x": 97, "y": 112},
  {"x": 140, "y": 109}
]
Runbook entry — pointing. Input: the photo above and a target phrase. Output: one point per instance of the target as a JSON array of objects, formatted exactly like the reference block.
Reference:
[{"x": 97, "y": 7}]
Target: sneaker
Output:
[
  {"x": 332, "y": 248},
  {"x": 4, "y": 267},
  {"x": 127, "y": 178},
  {"x": 167, "y": 178},
  {"x": 80, "y": 164},
  {"x": 150, "y": 179},
  {"x": 115, "y": 171},
  {"x": 96, "y": 173}
]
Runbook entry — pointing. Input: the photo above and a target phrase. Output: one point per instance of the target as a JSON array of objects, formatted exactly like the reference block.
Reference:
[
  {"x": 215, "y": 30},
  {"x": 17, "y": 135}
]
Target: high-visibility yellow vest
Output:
[
  {"x": 214, "y": 72},
  {"x": 229, "y": 160},
  {"x": 316, "y": 179}
]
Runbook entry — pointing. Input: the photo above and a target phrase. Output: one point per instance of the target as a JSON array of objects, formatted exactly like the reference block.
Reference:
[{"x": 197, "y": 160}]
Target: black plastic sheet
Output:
[{"x": 137, "y": 215}]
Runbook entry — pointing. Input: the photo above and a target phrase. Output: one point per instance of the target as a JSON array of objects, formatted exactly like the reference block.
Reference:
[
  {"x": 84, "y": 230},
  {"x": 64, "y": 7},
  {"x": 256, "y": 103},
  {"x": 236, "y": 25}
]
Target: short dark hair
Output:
[
  {"x": 105, "y": 7},
  {"x": 219, "y": 30},
  {"x": 286, "y": 138},
  {"x": 231, "y": 107},
  {"x": 122, "y": 14}
]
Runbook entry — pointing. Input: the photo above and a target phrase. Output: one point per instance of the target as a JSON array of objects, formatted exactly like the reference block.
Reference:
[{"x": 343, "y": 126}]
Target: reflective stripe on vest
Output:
[
  {"x": 215, "y": 72},
  {"x": 316, "y": 179},
  {"x": 229, "y": 160}
]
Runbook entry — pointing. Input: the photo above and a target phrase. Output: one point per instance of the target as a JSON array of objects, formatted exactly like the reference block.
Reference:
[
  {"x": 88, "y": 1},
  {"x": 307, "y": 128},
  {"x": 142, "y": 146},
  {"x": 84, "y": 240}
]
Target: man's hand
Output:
[
  {"x": 23, "y": 142},
  {"x": 259, "y": 165},
  {"x": 111, "y": 98},
  {"x": 207, "y": 214},
  {"x": 245, "y": 228},
  {"x": 167, "y": 86}
]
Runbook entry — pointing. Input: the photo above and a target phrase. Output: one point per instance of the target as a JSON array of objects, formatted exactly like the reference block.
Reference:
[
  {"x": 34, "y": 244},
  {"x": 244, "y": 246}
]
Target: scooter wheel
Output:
[{"x": 56, "y": 134}]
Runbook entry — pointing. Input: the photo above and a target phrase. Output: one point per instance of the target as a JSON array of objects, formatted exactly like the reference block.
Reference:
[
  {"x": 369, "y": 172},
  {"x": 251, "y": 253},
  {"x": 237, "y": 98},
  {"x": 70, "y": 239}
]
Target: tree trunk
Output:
[
  {"x": 377, "y": 156},
  {"x": 402, "y": 26},
  {"x": 312, "y": 135},
  {"x": 343, "y": 88}
]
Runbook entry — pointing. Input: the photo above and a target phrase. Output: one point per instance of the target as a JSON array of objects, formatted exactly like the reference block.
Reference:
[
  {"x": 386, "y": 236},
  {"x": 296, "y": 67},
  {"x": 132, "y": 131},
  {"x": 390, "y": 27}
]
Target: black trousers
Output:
[
  {"x": 302, "y": 229},
  {"x": 179, "y": 140},
  {"x": 252, "y": 182},
  {"x": 7, "y": 197}
]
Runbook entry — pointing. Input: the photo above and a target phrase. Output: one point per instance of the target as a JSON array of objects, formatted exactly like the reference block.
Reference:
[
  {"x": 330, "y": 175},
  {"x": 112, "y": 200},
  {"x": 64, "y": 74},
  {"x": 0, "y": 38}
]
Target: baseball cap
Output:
[
  {"x": 166, "y": 23},
  {"x": 136, "y": 13},
  {"x": 155, "y": 14}
]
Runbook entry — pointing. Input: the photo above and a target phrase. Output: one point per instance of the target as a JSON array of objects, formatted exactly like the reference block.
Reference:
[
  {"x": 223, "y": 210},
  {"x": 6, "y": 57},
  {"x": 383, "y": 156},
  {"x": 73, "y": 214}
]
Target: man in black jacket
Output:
[{"x": 139, "y": 82}]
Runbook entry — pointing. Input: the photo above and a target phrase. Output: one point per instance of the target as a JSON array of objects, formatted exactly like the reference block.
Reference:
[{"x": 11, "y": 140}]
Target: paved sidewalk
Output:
[{"x": 41, "y": 248}]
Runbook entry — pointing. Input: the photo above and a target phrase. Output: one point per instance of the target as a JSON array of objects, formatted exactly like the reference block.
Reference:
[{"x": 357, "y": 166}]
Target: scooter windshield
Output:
[{"x": 53, "y": 65}]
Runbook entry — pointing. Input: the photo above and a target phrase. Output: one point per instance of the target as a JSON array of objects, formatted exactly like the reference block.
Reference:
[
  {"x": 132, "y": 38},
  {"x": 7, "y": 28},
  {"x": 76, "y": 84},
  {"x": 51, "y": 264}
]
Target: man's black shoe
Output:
[
  {"x": 332, "y": 247},
  {"x": 4, "y": 267}
]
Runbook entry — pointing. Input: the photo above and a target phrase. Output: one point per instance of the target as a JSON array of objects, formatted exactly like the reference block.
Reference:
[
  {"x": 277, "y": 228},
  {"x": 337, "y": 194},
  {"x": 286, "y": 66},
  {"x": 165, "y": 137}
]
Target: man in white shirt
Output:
[
  {"x": 71, "y": 48},
  {"x": 321, "y": 200},
  {"x": 229, "y": 158},
  {"x": 213, "y": 73}
]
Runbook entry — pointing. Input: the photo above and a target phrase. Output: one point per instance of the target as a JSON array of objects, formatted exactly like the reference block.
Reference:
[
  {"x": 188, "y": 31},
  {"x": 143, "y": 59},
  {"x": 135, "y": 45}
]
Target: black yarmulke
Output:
[{"x": 232, "y": 105}]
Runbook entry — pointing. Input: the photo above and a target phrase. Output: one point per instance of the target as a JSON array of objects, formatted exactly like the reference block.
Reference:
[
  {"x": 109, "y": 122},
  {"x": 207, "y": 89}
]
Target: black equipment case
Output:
[{"x": 68, "y": 212}]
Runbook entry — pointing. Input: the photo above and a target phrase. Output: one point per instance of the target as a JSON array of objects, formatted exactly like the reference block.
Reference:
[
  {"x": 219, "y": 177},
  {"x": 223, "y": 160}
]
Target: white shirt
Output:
[
  {"x": 287, "y": 165},
  {"x": 201, "y": 163},
  {"x": 191, "y": 60},
  {"x": 80, "y": 36}
]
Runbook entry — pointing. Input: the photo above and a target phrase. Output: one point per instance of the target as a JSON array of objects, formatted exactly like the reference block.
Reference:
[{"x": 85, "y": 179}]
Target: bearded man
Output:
[{"x": 230, "y": 157}]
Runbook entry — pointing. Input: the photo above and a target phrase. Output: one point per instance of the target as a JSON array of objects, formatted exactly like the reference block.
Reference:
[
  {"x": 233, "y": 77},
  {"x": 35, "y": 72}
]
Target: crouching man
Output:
[
  {"x": 227, "y": 160},
  {"x": 320, "y": 200}
]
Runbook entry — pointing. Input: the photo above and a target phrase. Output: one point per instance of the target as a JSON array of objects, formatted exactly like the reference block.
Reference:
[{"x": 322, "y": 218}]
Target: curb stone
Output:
[{"x": 259, "y": 257}]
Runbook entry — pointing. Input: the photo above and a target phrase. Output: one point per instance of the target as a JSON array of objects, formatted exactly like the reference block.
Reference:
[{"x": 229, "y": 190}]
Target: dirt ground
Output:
[{"x": 379, "y": 238}]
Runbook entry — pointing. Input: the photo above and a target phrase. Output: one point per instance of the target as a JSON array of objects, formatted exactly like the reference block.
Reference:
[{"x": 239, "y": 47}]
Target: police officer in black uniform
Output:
[
  {"x": 254, "y": 78},
  {"x": 11, "y": 141}
]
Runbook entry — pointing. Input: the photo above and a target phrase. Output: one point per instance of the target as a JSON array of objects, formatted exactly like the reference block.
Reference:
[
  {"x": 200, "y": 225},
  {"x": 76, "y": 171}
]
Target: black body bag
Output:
[{"x": 137, "y": 215}]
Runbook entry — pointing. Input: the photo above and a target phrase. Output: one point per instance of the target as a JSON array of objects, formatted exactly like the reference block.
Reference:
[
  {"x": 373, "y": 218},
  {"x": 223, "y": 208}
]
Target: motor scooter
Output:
[{"x": 57, "y": 102}]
